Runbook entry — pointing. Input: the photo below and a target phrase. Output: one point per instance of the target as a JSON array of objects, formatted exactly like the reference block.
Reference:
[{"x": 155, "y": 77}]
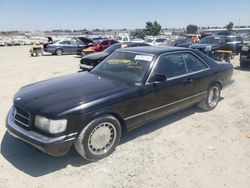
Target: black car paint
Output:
[{"x": 81, "y": 97}]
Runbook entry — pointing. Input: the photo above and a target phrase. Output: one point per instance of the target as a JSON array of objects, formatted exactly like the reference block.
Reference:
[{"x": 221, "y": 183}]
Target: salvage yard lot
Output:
[{"x": 188, "y": 149}]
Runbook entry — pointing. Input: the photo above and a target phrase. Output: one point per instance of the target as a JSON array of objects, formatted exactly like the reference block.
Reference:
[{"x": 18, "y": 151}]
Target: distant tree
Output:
[
  {"x": 138, "y": 33},
  {"x": 230, "y": 26},
  {"x": 192, "y": 29},
  {"x": 153, "y": 28}
]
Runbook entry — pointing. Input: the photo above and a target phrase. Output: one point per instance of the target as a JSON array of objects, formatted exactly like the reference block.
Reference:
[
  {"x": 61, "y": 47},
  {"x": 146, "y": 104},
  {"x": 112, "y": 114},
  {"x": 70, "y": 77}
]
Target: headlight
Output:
[
  {"x": 51, "y": 126},
  {"x": 208, "y": 48}
]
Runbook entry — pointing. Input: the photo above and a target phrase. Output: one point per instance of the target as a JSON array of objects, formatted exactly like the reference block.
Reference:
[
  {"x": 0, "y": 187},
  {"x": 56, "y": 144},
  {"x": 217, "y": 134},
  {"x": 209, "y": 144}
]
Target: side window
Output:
[
  {"x": 171, "y": 65},
  {"x": 73, "y": 42},
  {"x": 160, "y": 40},
  {"x": 193, "y": 63},
  {"x": 65, "y": 42}
]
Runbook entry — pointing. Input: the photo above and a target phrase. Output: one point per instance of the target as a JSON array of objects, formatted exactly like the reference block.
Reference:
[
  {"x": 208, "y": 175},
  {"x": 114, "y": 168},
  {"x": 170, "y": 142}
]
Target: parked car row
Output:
[
  {"x": 18, "y": 42},
  {"x": 89, "y": 61}
]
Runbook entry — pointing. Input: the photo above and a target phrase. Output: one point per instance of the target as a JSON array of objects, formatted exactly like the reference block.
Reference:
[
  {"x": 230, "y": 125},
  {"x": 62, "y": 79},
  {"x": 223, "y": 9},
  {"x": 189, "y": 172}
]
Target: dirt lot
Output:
[{"x": 188, "y": 149}]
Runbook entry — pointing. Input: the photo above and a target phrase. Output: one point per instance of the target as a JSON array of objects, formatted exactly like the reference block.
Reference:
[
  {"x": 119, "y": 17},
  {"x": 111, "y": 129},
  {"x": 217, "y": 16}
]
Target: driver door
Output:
[{"x": 158, "y": 99}]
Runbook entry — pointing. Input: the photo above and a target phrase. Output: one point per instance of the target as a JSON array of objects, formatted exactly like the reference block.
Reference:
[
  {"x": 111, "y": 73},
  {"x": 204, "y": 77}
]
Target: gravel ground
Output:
[{"x": 188, "y": 149}]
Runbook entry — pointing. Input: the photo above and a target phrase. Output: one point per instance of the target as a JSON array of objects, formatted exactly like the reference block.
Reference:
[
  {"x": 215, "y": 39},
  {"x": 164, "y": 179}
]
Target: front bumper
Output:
[{"x": 55, "y": 146}]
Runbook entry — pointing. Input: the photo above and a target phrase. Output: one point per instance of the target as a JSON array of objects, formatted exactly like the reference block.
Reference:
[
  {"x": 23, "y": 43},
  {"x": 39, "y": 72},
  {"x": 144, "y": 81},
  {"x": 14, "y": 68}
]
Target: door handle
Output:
[{"x": 188, "y": 81}]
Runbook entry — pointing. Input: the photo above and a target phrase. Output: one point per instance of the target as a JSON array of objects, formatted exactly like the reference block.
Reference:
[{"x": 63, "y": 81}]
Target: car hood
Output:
[
  {"x": 95, "y": 56},
  {"x": 201, "y": 46},
  {"x": 55, "y": 96}
]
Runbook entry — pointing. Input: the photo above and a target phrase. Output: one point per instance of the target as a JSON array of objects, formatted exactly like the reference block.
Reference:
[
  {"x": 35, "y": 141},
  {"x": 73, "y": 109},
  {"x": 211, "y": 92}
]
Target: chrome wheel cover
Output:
[
  {"x": 213, "y": 97},
  {"x": 102, "y": 138},
  {"x": 59, "y": 52}
]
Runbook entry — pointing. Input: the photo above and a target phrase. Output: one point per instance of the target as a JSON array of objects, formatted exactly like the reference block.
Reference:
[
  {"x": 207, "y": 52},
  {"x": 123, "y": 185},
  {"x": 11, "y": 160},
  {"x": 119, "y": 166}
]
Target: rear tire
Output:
[
  {"x": 212, "y": 98},
  {"x": 59, "y": 52},
  {"x": 99, "y": 138}
]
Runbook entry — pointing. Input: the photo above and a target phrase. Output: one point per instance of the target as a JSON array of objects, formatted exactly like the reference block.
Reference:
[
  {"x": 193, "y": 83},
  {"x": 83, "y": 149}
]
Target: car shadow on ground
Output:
[
  {"x": 242, "y": 69},
  {"x": 34, "y": 163},
  {"x": 159, "y": 123},
  {"x": 49, "y": 54}
]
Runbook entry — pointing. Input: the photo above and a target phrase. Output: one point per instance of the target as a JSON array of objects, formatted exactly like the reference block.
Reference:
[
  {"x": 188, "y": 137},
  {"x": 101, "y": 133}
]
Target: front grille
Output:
[{"x": 21, "y": 117}]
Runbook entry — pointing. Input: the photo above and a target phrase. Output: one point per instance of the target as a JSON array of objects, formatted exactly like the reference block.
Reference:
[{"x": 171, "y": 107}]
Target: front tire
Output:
[
  {"x": 212, "y": 98},
  {"x": 99, "y": 138}
]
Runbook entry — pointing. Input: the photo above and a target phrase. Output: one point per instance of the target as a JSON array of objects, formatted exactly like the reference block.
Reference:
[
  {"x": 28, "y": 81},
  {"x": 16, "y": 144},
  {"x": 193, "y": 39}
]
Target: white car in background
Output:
[
  {"x": 2, "y": 43},
  {"x": 155, "y": 41}
]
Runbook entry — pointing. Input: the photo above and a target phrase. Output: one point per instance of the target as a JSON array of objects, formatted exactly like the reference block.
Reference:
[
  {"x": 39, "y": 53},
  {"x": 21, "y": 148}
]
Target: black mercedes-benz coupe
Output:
[{"x": 129, "y": 88}]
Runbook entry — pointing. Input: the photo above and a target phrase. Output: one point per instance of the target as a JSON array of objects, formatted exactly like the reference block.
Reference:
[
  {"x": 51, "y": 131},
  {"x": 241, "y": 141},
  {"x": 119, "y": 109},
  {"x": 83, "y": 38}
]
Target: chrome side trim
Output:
[
  {"x": 160, "y": 107},
  {"x": 191, "y": 73}
]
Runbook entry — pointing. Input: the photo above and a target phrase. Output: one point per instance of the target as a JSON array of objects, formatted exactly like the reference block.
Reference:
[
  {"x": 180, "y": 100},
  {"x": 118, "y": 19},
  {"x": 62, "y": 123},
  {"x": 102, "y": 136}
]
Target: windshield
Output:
[
  {"x": 124, "y": 66},
  {"x": 113, "y": 48},
  {"x": 210, "y": 40}
]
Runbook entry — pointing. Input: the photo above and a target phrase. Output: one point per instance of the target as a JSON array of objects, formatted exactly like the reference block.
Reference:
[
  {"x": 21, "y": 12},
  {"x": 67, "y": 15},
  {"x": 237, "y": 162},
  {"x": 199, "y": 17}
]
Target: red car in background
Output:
[{"x": 102, "y": 45}]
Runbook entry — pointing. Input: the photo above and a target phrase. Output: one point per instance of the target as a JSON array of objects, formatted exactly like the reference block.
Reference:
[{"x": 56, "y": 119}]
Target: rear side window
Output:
[
  {"x": 193, "y": 63},
  {"x": 65, "y": 42},
  {"x": 171, "y": 65}
]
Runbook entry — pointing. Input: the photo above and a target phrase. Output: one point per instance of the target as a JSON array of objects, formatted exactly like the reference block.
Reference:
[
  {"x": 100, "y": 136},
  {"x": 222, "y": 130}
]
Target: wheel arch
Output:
[
  {"x": 219, "y": 82},
  {"x": 100, "y": 114}
]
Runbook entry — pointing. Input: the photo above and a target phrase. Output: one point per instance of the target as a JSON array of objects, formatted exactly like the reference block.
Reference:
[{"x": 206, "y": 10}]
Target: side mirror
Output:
[{"x": 158, "y": 78}]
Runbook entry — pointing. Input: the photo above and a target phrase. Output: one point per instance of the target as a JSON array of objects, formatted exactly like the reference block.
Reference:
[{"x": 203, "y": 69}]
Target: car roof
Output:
[
  {"x": 134, "y": 44},
  {"x": 154, "y": 50}
]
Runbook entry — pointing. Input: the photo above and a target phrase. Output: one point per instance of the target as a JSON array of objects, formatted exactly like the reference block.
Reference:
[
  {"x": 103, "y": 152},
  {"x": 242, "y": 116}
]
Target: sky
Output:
[{"x": 118, "y": 14}]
